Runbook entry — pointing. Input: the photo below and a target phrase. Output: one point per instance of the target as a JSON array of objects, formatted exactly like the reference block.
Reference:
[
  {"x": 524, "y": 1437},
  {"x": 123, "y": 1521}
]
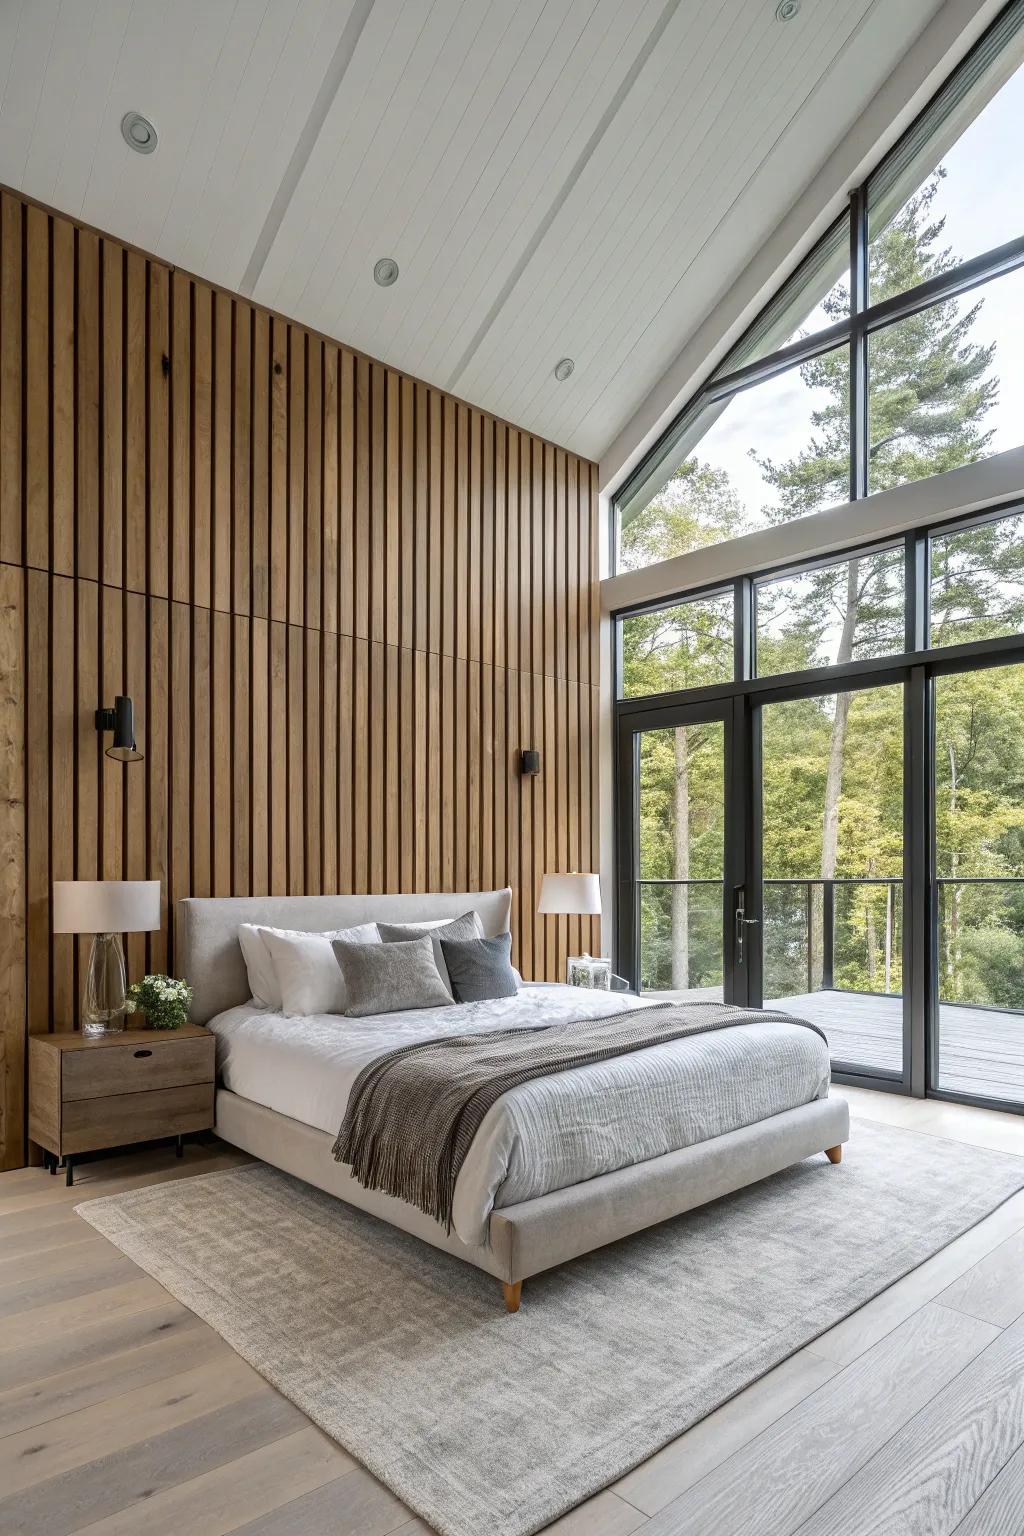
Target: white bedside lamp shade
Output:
[
  {"x": 579, "y": 895},
  {"x": 106, "y": 906},
  {"x": 106, "y": 909}
]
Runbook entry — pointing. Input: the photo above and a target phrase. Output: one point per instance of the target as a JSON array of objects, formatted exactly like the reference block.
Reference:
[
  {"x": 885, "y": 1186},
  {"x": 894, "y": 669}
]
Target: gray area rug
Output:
[{"x": 485, "y": 1422}]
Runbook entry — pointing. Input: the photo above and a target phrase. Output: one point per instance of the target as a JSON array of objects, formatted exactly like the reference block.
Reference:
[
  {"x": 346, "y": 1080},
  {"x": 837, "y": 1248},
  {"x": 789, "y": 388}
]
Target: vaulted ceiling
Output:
[{"x": 555, "y": 178}]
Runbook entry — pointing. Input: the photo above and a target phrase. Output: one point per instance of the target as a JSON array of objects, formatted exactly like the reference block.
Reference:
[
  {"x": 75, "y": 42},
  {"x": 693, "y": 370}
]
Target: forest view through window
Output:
[
  {"x": 944, "y": 385},
  {"x": 832, "y": 797},
  {"x": 858, "y": 853}
]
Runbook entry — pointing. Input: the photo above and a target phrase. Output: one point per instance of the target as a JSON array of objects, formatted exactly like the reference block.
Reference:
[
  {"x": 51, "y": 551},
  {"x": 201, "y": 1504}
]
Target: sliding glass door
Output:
[
  {"x": 854, "y": 856},
  {"x": 678, "y": 852},
  {"x": 821, "y": 803},
  {"x": 978, "y": 978},
  {"x": 828, "y": 864}
]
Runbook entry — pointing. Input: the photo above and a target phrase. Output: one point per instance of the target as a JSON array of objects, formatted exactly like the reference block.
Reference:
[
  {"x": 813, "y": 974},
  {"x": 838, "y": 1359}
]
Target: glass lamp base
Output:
[
  {"x": 103, "y": 1000},
  {"x": 588, "y": 971}
]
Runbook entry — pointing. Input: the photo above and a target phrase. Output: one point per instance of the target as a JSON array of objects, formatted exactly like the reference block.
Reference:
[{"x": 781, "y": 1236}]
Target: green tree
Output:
[
  {"x": 833, "y": 781},
  {"x": 685, "y": 646},
  {"x": 979, "y": 835},
  {"x": 977, "y": 582},
  {"x": 929, "y": 390}
]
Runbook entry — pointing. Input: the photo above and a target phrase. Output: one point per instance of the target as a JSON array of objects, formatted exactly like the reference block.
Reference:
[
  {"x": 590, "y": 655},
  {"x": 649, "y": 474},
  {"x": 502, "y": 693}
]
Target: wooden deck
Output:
[{"x": 981, "y": 1051}]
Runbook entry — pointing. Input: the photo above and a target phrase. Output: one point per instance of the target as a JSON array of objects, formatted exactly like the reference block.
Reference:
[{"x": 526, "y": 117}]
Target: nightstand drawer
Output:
[
  {"x": 136, "y": 1068},
  {"x": 89, "y": 1124}
]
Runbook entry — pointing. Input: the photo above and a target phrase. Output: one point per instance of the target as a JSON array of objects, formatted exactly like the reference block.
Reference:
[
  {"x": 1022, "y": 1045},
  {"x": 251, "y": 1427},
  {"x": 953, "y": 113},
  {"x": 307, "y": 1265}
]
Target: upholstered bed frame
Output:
[{"x": 523, "y": 1239}]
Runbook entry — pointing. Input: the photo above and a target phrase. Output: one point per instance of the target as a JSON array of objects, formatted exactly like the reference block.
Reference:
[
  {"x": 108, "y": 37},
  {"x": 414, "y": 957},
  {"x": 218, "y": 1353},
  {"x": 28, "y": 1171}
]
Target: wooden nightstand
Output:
[{"x": 88, "y": 1094}]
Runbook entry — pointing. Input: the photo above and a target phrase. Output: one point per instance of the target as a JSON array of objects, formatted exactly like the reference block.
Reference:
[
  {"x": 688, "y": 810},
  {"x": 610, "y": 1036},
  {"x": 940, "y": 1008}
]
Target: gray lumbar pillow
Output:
[
  {"x": 467, "y": 926},
  {"x": 480, "y": 968},
  {"x": 399, "y": 976}
]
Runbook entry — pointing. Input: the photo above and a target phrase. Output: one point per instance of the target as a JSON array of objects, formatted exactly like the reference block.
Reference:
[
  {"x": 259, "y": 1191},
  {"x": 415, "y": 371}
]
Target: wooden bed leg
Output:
[
  {"x": 512, "y": 1294},
  {"x": 834, "y": 1154}
]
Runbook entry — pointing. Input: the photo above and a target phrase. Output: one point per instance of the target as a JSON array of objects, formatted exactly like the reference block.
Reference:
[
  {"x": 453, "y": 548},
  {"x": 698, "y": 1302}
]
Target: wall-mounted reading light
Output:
[
  {"x": 529, "y": 761},
  {"x": 120, "y": 720}
]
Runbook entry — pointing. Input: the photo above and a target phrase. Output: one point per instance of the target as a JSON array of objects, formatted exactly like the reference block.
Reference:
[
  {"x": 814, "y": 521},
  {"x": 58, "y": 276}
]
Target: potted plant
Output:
[{"x": 163, "y": 999}]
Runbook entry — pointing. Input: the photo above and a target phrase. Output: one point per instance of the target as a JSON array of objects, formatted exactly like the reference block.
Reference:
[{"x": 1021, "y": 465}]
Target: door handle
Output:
[{"x": 742, "y": 922}]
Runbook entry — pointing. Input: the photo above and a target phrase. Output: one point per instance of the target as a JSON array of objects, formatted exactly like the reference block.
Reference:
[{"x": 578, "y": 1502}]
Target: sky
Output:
[{"x": 982, "y": 198}]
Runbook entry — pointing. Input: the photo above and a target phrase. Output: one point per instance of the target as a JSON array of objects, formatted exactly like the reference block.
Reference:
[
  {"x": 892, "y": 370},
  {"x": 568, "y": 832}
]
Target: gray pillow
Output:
[
  {"x": 397, "y": 976},
  {"x": 480, "y": 968},
  {"x": 465, "y": 927}
]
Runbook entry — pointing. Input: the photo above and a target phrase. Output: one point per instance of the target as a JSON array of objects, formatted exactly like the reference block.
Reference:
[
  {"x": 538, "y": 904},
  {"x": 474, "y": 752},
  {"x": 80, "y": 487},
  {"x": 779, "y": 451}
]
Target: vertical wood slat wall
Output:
[{"x": 341, "y": 600}]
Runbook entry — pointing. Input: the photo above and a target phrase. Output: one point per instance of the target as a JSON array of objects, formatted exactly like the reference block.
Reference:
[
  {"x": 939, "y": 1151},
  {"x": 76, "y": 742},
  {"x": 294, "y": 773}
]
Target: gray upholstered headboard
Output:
[{"x": 208, "y": 955}]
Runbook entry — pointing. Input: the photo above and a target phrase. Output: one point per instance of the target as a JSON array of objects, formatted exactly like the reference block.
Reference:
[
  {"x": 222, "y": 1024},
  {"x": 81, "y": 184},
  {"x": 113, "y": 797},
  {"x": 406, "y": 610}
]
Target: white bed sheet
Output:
[{"x": 545, "y": 1134}]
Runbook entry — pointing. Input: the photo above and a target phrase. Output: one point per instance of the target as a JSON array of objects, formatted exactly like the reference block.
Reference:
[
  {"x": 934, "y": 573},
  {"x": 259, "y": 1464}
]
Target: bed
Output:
[{"x": 560, "y": 1165}]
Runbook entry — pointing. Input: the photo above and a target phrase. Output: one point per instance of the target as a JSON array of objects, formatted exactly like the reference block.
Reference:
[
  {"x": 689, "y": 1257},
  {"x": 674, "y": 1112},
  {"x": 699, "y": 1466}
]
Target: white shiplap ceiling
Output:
[{"x": 555, "y": 178}]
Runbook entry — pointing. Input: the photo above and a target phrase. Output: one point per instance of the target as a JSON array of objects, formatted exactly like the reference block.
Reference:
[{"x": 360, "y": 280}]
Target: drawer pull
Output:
[{"x": 143, "y": 1053}]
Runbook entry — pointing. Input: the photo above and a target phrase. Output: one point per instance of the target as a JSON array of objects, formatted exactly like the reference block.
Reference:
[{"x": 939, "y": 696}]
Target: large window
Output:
[
  {"x": 960, "y": 165},
  {"x": 946, "y": 385},
  {"x": 892, "y": 354},
  {"x": 832, "y": 868},
  {"x": 681, "y": 858},
  {"x": 977, "y": 582},
  {"x": 820, "y": 803},
  {"x": 686, "y": 645},
  {"x": 834, "y": 612},
  {"x": 979, "y": 856}
]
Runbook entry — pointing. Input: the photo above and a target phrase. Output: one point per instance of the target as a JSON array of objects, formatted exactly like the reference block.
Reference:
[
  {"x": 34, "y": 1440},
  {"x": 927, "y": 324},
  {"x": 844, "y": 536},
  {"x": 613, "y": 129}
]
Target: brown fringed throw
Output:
[{"x": 412, "y": 1114}]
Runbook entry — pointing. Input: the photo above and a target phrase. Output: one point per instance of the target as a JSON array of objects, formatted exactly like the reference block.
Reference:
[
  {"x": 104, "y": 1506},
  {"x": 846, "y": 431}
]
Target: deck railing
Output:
[
  {"x": 817, "y": 932},
  {"x": 815, "y": 911}
]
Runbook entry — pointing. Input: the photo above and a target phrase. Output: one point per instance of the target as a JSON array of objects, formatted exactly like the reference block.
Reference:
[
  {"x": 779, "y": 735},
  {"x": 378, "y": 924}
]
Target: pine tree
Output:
[{"x": 929, "y": 390}]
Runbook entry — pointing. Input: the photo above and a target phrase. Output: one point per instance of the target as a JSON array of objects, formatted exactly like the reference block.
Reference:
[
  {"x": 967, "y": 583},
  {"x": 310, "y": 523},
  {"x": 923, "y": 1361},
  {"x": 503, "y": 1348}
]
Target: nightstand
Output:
[{"x": 89, "y": 1094}]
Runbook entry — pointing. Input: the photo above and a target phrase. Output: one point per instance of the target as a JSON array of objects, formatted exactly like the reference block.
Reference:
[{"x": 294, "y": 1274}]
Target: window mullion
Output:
[
  {"x": 743, "y": 629},
  {"x": 916, "y": 547},
  {"x": 858, "y": 344}
]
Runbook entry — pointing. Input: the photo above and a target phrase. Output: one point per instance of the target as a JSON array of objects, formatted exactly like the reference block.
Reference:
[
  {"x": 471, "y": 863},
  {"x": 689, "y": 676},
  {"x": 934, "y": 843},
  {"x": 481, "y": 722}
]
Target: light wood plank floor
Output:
[{"x": 120, "y": 1412}]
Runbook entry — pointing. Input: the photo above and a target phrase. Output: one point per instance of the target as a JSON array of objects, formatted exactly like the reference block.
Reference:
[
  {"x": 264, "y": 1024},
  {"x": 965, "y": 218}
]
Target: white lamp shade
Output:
[
  {"x": 106, "y": 906},
  {"x": 580, "y": 894}
]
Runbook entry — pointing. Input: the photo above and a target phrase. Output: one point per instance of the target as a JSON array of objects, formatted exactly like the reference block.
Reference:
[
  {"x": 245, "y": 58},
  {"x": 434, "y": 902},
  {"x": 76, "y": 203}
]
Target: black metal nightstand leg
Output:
[
  {"x": 51, "y": 1161},
  {"x": 179, "y": 1146},
  {"x": 69, "y": 1177}
]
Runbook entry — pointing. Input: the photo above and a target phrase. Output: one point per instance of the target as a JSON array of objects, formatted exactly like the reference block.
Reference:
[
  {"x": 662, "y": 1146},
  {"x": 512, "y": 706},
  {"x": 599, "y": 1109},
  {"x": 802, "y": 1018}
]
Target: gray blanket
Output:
[{"x": 413, "y": 1112}]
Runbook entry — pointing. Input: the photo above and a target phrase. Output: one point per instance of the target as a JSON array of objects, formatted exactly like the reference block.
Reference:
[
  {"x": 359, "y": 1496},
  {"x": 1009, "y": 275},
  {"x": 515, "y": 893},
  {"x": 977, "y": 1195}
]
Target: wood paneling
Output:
[
  {"x": 341, "y": 600},
  {"x": 12, "y": 863}
]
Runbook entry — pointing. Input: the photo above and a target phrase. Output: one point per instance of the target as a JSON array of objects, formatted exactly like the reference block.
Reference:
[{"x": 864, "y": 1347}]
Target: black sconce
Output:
[
  {"x": 120, "y": 720},
  {"x": 529, "y": 761}
]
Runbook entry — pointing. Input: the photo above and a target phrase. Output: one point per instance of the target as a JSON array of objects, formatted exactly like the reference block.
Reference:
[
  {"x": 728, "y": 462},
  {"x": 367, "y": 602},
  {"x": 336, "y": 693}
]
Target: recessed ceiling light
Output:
[
  {"x": 786, "y": 10},
  {"x": 563, "y": 368},
  {"x": 138, "y": 133},
  {"x": 385, "y": 272}
]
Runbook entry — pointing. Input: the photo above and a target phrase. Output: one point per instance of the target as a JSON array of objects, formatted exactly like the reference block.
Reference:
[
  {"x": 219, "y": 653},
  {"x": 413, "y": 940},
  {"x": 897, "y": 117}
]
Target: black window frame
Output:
[
  {"x": 728, "y": 380},
  {"x": 915, "y": 667}
]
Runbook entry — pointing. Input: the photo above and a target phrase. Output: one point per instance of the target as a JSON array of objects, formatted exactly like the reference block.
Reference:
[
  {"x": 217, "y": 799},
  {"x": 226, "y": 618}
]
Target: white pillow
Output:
[
  {"x": 262, "y": 977},
  {"x": 299, "y": 974}
]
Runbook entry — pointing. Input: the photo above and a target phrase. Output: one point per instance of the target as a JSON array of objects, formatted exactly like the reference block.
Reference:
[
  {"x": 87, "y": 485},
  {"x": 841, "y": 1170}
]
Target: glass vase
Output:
[
  {"x": 588, "y": 971},
  {"x": 103, "y": 1000}
]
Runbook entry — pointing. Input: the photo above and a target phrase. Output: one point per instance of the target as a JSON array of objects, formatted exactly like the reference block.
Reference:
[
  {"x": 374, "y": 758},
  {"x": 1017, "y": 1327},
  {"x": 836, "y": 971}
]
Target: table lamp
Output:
[
  {"x": 106, "y": 909},
  {"x": 576, "y": 895}
]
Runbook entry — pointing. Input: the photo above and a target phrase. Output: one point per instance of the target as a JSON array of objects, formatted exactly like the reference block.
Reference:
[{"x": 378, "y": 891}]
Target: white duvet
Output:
[{"x": 545, "y": 1134}]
